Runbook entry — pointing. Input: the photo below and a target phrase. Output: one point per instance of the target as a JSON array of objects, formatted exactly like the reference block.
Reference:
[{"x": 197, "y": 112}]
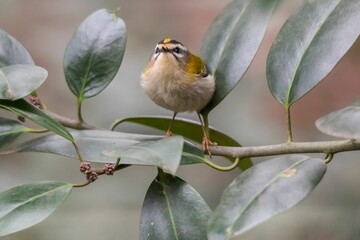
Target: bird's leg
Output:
[
  {"x": 206, "y": 143},
  {"x": 168, "y": 132}
]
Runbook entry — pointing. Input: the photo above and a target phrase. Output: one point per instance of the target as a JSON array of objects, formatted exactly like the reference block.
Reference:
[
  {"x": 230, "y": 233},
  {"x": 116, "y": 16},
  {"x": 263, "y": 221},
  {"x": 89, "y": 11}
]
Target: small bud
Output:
[
  {"x": 109, "y": 169},
  {"x": 35, "y": 101},
  {"x": 91, "y": 176},
  {"x": 21, "y": 118},
  {"x": 84, "y": 167}
]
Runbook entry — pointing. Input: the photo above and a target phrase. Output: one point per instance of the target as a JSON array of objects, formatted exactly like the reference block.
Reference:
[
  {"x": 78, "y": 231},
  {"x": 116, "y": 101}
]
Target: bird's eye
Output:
[
  {"x": 157, "y": 50},
  {"x": 176, "y": 50}
]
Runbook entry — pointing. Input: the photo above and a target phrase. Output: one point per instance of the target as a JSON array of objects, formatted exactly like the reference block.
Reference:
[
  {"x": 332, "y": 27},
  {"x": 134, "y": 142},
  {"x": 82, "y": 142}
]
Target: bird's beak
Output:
[{"x": 164, "y": 49}]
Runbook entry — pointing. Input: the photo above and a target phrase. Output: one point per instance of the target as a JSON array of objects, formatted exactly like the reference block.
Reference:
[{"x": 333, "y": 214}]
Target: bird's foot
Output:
[
  {"x": 168, "y": 134},
  {"x": 206, "y": 143}
]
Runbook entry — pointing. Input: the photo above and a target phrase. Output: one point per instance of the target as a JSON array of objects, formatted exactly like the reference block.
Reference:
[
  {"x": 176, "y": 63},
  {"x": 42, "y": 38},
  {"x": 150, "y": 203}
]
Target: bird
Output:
[{"x": 178, "y": 80}]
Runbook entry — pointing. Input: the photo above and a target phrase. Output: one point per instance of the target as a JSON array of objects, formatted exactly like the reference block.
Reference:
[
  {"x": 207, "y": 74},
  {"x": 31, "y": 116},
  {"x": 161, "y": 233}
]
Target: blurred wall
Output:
[{"x": 110, "y": 208}]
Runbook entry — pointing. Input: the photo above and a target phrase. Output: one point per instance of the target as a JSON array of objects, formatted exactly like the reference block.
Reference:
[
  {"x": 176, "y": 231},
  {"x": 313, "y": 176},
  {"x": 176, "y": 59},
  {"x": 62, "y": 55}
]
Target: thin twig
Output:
[
  {"x": 71, "y": 123},
  {"x": 327, "y": 147},
  {"x": 81, "y": 184}
]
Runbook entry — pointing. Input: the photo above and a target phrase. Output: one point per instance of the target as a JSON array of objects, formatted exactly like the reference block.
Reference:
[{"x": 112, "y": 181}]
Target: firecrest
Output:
[{"x": 179, "y": 81}]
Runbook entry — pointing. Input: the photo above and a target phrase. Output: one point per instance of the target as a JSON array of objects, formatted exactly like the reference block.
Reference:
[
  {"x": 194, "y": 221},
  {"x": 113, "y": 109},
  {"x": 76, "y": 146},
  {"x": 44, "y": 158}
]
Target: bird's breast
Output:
[{"x": 172, "y": 88}]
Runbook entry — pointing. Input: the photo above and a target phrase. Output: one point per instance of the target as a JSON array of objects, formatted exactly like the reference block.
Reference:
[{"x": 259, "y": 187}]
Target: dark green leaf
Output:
[
  {"x": 93, "y": 142},
  {"x": 232, "y": 41},
  {"x": 18, "y": 81},
  {"x": 164, "y": 153},
  {"x": 12, "y": 52},
  {"x": 262, "y": 192},
  {"x": 25, "y": 109},
  {"x": 189, "y": 129},
  {"x": 94, "y": 54},
  {"x": 172, "y": 209},
  {"x": 26, "y": 205},
  {"x": 10, "y": 130},
  {"x": 309, "y": 45},
  {"x": 191, "y": 154},
  {"x": 342, "y": 123}
]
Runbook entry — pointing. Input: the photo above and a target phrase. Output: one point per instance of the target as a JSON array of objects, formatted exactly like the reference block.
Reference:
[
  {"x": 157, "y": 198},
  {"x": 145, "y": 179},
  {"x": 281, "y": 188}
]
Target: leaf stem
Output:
[
  {"x": 160, "y": 174},
  {"x": 33, "y": 130},
  {"x": 115, "y": 124},
  {"x": 78, "y": 151},
  {"x": 288, "y": 124},
  {"x": 221, "y": 168},
  {"x": 328, "y": 158},
  {"x": 80, "y": 117},
  {"x": 81, "y": 184},
  {"x": 116, "y": 165}
]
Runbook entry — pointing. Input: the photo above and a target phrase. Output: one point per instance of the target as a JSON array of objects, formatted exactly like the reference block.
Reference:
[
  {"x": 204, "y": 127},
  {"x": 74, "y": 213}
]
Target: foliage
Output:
[{"x": 298, "y": 60}]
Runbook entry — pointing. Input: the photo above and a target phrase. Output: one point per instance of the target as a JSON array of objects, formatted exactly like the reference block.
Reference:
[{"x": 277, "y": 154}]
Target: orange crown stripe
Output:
[{"x": 166, "y": 40}]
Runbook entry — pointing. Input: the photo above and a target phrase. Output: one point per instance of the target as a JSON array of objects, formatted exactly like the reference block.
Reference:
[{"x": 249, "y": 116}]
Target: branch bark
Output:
[
  {"x": 71, "y": 123},
  {"x": 327, "y": 147}
]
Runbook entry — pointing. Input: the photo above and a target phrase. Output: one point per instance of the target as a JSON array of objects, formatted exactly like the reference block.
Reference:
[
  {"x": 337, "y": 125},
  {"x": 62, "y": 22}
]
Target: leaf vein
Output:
[
  {"x": 292, "y": 80},
  {"x": 32, "y": 199}
]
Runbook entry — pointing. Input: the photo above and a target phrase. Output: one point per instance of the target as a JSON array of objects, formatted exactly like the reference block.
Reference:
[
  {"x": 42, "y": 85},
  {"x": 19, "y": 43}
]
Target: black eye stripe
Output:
[{"x": 177, "y": 50}]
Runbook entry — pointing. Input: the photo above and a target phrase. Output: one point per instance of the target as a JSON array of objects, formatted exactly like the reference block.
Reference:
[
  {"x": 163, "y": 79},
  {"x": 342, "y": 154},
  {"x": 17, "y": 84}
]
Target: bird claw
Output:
[
  {"x": 206, "y": 143},
  {"x": 168, "y": 134}
]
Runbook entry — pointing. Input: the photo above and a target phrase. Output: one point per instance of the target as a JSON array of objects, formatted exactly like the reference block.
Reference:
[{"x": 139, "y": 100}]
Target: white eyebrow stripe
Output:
[
  {"x": 181, "y": 47},
  {"x": 171, "y": 46}
]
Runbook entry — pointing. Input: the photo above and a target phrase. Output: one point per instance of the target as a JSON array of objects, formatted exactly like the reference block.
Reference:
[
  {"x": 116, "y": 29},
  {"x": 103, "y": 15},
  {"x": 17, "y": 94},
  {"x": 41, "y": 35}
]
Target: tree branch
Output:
[
  {"x": 71, "y": 123},
  {"x": 328, "y": 147}
]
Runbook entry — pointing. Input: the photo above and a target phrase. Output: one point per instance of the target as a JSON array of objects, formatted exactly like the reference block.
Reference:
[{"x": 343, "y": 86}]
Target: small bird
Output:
[{"x": 179, "y": 81}]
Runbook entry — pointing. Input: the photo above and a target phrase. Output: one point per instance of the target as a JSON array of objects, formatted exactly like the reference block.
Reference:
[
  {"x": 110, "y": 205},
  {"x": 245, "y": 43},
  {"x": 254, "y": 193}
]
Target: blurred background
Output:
[{"x": 110, "y": 208}]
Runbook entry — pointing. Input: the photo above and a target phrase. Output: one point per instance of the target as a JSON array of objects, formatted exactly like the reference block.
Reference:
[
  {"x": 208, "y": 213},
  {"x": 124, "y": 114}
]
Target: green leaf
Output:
[
  {"x": 10, "y": 130},
  {"x": 18, "y": 81},
  {"x": 25, "y": 109},
  {"x": 343, "y": 123},
  {"x": 93, "y": 142},
  {"x": 191, "y": 154},
  {"x": 94, "y": 53},
  {"x": 164, "y": 153},
  {"x": 232, "y": 41},
  {"x": 309, "y": 45},
  {"x": 189, "y": 129},
  {"x": 172, "y": 209},
  {"x": 262, "y": 192},
  {"x": 90, "y": 142},
  {"x": 12, "y": 52},
  {"x": 26, "y": 205}
]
